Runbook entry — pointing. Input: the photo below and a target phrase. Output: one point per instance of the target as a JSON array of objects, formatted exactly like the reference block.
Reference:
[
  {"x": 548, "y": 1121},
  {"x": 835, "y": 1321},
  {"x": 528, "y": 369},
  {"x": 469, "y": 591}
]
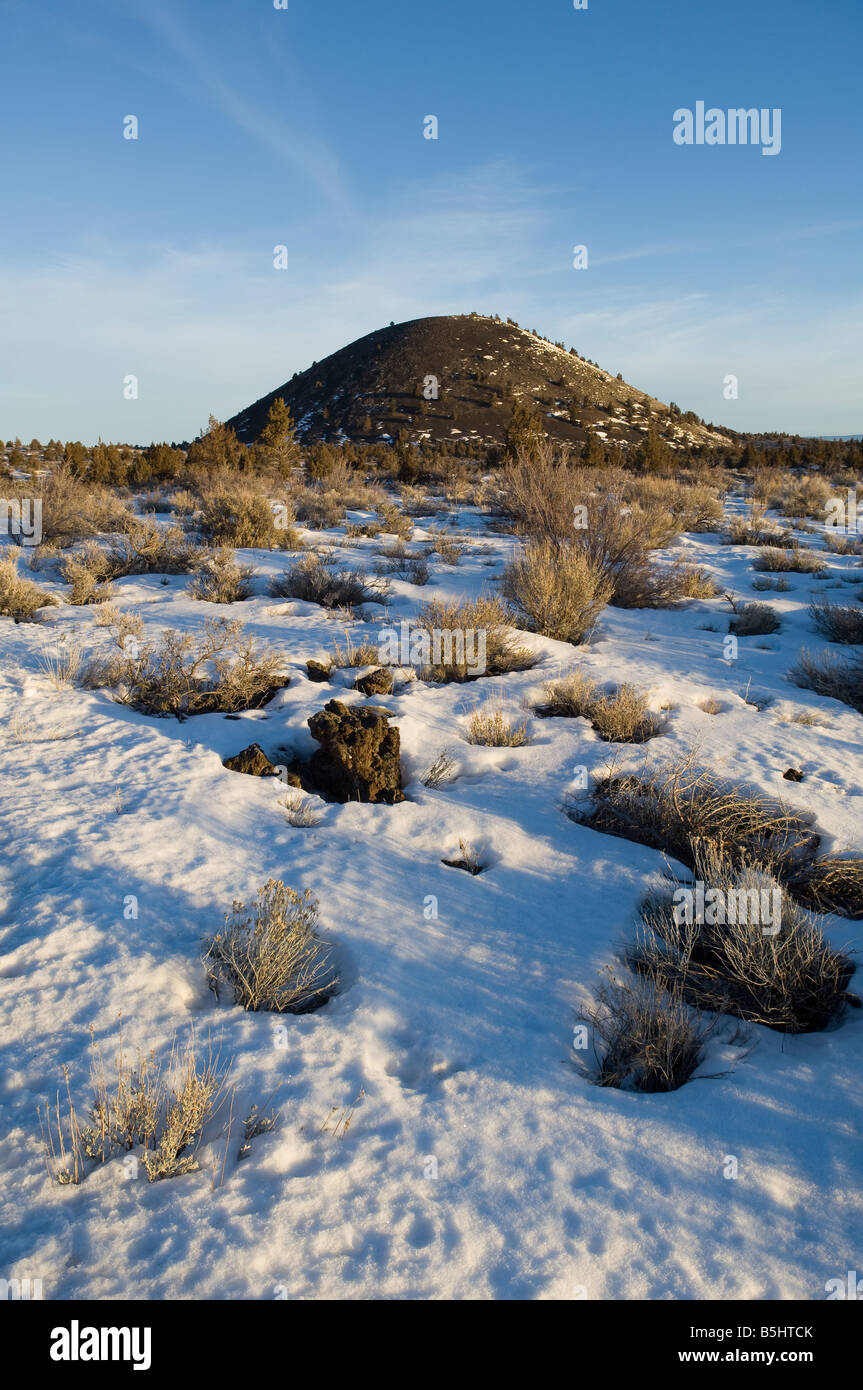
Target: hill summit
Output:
[{"x": 457, "y": 377}]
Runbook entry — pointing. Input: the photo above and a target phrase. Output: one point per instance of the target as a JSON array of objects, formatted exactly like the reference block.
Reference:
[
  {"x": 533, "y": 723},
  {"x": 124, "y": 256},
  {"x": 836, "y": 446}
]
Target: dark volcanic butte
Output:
[{"x": 372, "y": 390}]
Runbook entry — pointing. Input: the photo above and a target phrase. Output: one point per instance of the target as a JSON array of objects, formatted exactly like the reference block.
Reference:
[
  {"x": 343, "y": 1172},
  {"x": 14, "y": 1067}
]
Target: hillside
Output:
[{"x": 373, "y": 389}]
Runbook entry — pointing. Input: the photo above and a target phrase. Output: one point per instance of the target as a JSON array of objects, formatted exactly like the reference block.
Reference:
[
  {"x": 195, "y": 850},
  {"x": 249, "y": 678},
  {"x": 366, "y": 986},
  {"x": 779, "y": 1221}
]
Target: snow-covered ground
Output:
[{"x": 480, "y": 1161}]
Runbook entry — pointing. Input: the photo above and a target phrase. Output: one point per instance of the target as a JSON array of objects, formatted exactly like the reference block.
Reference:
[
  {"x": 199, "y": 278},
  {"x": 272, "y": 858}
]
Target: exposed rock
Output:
[
  {"x": 793, "y": 774},
  {"x": 379, "y": 682},
  {"x": 358, "y": 759},
  {"x": 318, "y": 671},
  {"x": 253, "y": 761}
]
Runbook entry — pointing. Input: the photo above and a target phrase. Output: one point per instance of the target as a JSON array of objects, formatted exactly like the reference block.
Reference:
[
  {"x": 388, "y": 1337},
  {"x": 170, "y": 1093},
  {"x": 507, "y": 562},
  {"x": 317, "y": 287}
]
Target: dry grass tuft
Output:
[
  {"x": 677, "y": 807},
  {"x": 754, "y": 620},
  {"x": 837, "y": 622},
  {"x": 269, "y": 954},
  {"x": 483, "y": 617},
  {"x": 648, "y": 1038},
  {"x": 837, "y": 678},
  {"x": 218, "y": 671},
  {"x": 20, "y": 598},
  {"x": 312, "y": 580},
  {"x": 766, "y": 966},
  {"x": 492, "y": 729},
  {"x": 221, "y": 580},
  {"x": 797, "y": 561},
  {"x": 621, "y": 716}
]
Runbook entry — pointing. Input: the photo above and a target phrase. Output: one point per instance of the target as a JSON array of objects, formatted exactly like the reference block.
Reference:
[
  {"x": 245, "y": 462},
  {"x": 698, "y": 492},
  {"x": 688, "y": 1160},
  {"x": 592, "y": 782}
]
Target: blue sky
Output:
[{"x": 304, "y": 127}]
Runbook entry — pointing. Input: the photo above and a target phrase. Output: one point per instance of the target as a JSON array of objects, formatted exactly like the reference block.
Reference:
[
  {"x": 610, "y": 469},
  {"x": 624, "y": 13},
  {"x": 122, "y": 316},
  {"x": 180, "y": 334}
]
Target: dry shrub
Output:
[
  {"x": 838, "y": 678},
  {"x": 709, "y": 705},
  {"x": 147, "y": 548},
  {"x": 73, "y": 510},
  {"x": 122, "y": 625},
  {"x": 141, "y": 548},
  {"x": 618, "y": 541},
  {"x": 754, "y": 620},
  {"x": 558, "y": 589},
  {"x": 415, "y": 570},
  {"x": 87, "y": 573},
  {"x": 833, "y": 883},
  {"x": 771, "y": 968},
  {"x": 469, "y": 858},
  {"x": 539, "y": 493},
  {"x": 779, "y": 585},
  {"x": 493, "y": 729},
  {"x": 798, "y": 561},
  {"x": 162, "y": 1110},
  {"x": 314, "y": 581},
  {"x": 625, "y": 520},
  {"x": 417, "y": 503},
  {"x": 395, "y": 522},
  {"x": 319, "y": 510},
  {"x": 269, "y": 954},
  {"x": 300, "y": 811},
  {"x": 220, "y": 671},
  {"x": 649, "y": 1039},
  {"x": 184, "y": 503},
  {"x": 190, "y": 1105},
  {"x": 839, "y": 623},
  {"x": 221, "y": 580},
  {"x": 677, "y": 807},
  {"x": 20, "y": 598},
  {"x": 483, "y": 615},
  {"x": 241, "y": 517},
  {"x": 366, "y": 529},
  {"x": 805, "y": 496},
  {"x": 693, "y": 581},
  {"x": 693, "y": 508},
  {"x": 755, "y": 529},
  {"x": 353, "y": 654},
  {"x": 843, "y": 545},
  {"x": 448, "y": 549},
  {"x": 62, "y": 664},
  {"x": 395, "y": 560},
  {"x": 621, "y": 716},
  {"x": 440, "y": 772}
]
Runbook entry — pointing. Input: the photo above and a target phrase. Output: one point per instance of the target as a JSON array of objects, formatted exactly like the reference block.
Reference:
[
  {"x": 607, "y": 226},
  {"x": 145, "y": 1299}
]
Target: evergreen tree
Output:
[
  {"x": 524, "y": 430},
  {"x": 653, "y": 454},
  {"x": 217, "y": 447},
  {"x": 277, "y": 443},
  {"x": 594, "y": 451}
]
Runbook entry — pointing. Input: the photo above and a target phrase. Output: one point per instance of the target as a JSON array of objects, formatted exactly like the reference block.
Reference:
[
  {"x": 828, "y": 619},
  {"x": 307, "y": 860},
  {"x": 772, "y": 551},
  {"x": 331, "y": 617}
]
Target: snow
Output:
[{"x": 451, "y": 1038}]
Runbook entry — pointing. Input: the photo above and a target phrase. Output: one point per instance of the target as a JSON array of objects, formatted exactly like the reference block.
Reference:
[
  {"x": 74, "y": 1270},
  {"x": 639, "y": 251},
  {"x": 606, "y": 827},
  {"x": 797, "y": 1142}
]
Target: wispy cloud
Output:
[{"x": 302, "y": 150}]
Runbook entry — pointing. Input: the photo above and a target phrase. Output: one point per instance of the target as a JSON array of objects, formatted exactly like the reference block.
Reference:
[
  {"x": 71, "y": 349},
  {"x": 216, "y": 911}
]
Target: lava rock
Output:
[
  {"x": 379, "y": 682},
  {"x": 318, "y": 671},
  {"x": 253, "y": 761},
  {"x": 358, "y": 759}
]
